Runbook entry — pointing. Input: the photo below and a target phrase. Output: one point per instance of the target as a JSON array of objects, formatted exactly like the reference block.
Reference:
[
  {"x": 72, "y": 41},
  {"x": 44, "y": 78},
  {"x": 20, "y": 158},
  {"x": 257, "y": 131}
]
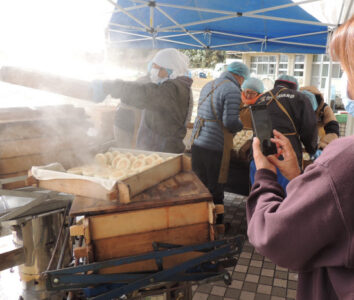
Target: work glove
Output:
[{"x": 316, "y": 155}]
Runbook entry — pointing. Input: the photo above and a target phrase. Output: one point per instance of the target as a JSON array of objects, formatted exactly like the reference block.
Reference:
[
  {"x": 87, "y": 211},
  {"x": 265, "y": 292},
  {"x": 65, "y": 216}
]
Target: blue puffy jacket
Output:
[{"x": 226, "y": 99}]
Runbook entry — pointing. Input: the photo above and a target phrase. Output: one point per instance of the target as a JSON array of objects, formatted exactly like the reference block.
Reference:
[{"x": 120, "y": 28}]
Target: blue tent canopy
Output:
[{"x": 238, "y": 25}]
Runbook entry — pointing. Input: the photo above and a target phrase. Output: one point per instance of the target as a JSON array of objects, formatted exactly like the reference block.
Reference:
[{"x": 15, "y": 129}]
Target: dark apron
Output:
[
  {"x": 228, "y": 136},
  {"x": 151, "y": 141}
]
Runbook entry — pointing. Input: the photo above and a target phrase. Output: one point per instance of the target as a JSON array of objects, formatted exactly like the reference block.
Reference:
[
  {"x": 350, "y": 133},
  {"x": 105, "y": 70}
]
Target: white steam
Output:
[{"x": 55, "y": 36}]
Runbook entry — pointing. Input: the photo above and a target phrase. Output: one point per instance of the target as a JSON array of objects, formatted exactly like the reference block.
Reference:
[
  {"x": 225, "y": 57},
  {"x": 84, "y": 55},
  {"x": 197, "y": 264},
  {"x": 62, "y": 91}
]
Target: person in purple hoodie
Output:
[{"x": 310, "y": 229}]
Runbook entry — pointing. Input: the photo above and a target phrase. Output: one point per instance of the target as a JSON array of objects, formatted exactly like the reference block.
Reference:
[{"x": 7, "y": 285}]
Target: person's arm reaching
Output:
[
  {"x": 291, "y": 230},
  {"x": 141, "y": 95}
]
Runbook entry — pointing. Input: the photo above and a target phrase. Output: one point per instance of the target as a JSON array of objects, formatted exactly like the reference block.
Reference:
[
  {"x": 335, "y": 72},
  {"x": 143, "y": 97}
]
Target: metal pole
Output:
[
  {"x": 288, "y": 20},
  {"x": 180, "y": 26},
  {"x": 225, "y": 12},
  {"x": 128, "y": 14}
]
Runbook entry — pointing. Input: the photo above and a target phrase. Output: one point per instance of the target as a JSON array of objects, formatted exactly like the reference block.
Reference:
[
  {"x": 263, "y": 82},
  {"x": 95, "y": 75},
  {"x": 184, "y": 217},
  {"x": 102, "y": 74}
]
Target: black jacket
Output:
[{"x": 302, "y": 114}]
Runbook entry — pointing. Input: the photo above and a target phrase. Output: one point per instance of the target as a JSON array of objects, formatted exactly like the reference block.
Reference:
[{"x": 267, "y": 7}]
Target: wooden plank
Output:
[
  {"x": 187, "y": 163},
  {"x": 39, "y": 128},
  {"x": 25, "y": 147},
  {"x": 44, "y": 114},
  {"x": 77, "y": 230},
  {"x": 183, "y": 188},
  {"x": 67, "y": 158},
  {"x": 153, "y": 176},
  {"x": 134, "y": 244},
  {"x": 136, "y": 183},
  {"x": 46, "y": 81},
  {"x": 109, "y": 225},
  {"x": 10, "y": 254},
  {"x": 11, "y": 175},
  {"x": 141, "y": 243},
  {"x": 14, "y": 184},
  {"x": 75, "y": 186}
]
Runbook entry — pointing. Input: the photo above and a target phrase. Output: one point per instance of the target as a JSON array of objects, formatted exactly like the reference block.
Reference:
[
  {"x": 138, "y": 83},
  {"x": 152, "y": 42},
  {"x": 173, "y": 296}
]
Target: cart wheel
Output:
[{"x": 227, "y": 278}]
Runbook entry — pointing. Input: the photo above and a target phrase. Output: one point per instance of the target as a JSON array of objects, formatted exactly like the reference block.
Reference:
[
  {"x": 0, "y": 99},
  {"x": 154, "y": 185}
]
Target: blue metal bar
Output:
[
  {"x": 164, "y": 275},
  {"x": 131, "y": 259}
]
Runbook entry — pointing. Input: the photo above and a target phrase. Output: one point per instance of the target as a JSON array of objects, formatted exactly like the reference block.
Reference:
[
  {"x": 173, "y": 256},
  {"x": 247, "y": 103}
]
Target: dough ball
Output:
[
  {"x": 115, "y": 153},
  {"x": 158, "y": 161},
  {"x": 128, "y": 155},
  {"x": 132, "y": 159},
  {"x": 123, "y": 164},
  {"x": 137, "y": 164},
  {"x": 109, "y": 157},
  {"x": 149, "y": 159},
  {"x": 89, "y": 170},
  {"x": 102, "y": 173},
  {"x": 100, "y": 159},
  {"x": 141, "y": 156},
  {"x": 155, "y": 156},
  {"x": 116, "y": 160}
]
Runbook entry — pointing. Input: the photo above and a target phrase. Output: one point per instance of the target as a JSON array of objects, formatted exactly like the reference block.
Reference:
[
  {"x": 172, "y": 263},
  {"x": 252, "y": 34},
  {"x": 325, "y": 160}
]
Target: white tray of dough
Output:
[{"x": 137, "y": 169}]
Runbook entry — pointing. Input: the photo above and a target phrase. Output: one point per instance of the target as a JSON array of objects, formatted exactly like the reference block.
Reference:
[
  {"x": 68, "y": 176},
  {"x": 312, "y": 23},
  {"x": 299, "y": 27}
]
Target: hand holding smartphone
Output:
[{"x": 262, "y": 126}]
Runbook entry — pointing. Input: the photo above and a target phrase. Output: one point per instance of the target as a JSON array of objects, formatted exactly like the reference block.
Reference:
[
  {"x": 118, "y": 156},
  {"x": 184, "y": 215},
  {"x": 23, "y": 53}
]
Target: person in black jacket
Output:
[{"x": 292, "y": 115}]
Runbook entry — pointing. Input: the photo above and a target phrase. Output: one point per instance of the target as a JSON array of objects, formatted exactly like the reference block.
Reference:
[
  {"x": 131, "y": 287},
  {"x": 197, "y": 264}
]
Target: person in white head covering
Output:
[
  {"x": 168, "y": 64},
  {"x": 166, "y": 101}
]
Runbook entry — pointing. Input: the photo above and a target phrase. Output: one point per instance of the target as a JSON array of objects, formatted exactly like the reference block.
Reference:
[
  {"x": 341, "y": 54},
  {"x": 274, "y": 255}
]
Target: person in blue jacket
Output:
[{"x": 216, "y": 122}]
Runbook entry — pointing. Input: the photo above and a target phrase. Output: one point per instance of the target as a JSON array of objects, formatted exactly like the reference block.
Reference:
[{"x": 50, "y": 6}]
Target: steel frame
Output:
[
  {"x": 180, "y": 29},
  {"x": 208, "y": 265}
]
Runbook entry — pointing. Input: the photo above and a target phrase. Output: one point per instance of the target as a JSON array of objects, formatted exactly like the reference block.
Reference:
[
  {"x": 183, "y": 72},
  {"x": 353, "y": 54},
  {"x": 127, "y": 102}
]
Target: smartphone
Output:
[{"x": 262, "y": 126}]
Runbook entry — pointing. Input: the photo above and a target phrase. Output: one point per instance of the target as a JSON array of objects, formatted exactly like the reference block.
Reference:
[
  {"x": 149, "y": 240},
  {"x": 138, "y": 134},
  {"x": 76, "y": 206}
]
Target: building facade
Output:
[{"x": 309, "y": 69}]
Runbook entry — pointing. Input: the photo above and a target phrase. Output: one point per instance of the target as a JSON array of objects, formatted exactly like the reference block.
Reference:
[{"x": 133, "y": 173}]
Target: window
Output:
[
  {"x": 336, "y": 71},
  {"x": 264, "y": 66},
  {"x": 320, "y": 71},
  {"x": 283, "y": 58},
  {"x": 315, "y": 70},
  {"x": 299, "y": 67}
]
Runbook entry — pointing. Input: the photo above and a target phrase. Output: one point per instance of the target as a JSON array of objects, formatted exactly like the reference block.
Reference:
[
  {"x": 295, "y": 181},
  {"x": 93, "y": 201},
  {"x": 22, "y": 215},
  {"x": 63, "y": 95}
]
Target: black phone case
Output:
[{"x": 262, "y": 126}]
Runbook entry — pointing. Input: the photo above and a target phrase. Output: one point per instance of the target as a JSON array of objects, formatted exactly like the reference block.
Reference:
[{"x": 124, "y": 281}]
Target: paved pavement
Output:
[{"x": 254, "y": 277}]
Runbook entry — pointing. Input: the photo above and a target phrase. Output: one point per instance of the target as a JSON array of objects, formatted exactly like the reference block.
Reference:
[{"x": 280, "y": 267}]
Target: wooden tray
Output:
[
  {"x": 124, "y": 190},
  {"x": 179, "y": 211}
]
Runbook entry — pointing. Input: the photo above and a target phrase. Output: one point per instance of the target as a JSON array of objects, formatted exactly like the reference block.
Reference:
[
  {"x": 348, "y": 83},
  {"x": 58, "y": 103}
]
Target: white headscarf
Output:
[{"x": 174, "y": 60}]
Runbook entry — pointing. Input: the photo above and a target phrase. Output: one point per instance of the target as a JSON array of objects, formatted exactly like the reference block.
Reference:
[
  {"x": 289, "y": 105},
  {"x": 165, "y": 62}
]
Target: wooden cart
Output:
[{"x": 167, "y": 203}]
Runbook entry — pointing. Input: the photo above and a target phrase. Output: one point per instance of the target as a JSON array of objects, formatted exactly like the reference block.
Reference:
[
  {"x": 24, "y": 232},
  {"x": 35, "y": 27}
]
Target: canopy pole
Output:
[
  {"x": 152, "y": 5},
  {"x": 180, "y": 26},
  {"x": 128, "y": 14},
  {"x": 225, "y": 12}
]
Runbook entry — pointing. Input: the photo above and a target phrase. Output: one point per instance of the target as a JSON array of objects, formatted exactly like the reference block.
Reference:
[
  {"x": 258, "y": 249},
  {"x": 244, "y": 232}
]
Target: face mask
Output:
[
  {"x": 154, "y": 76},
  {"x": 347, "y": 102}
]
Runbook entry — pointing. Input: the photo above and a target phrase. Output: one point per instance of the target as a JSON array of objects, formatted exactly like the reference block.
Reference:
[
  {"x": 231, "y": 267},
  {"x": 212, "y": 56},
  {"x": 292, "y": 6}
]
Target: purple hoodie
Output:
[{"x": 311, "y": 230}]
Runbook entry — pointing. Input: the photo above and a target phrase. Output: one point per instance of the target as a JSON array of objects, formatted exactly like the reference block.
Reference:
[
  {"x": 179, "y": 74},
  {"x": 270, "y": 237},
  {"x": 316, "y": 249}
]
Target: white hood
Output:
[{"x": 174, "y": 60}]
